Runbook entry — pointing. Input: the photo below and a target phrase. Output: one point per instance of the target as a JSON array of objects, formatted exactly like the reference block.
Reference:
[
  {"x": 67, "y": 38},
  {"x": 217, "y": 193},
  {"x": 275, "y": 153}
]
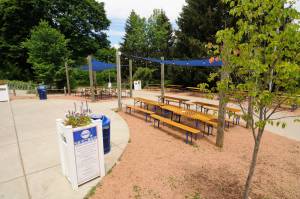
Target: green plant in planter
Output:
[{"x": 78, "y": 119}]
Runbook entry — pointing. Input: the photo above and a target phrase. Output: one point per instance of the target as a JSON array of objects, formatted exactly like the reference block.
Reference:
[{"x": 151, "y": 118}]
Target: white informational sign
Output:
[
  {"x": 86, "y": 155},
  {"x": 81, "y": 152},
  {"x": 4, "y": 95},
  {"x": 137, "y": 85},
  {"x": 109, "y": 85}
]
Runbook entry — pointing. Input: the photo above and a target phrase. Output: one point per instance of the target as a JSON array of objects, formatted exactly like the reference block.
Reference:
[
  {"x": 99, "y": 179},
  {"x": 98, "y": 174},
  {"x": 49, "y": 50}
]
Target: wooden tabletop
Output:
[
  {"x": 191, "y": 114},
  {"x": 147, "y": 101},
  {"x": 174, "y": 98},
  {"x": 234, "y": 110}
]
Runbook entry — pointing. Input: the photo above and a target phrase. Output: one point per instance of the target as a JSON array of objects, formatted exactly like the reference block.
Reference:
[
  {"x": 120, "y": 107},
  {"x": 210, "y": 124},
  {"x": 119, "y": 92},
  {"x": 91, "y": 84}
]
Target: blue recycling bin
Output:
[
  {"x": 105, "y": 131},
  {"x": 42, "y": 91}
]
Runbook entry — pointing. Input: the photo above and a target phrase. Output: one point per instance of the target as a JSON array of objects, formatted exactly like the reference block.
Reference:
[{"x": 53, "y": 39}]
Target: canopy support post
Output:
[
  {"x": 130, "y": 76},
  {"x": 91, "y": 77},
  {"x": 118, "y": 63},
  {"x": 162, "y": 74},
  {"x": 68, "y": 80}
]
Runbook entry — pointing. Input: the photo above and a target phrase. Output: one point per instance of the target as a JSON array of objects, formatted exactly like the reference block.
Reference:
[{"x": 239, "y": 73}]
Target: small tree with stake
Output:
[{"x": 267, "y": 64}]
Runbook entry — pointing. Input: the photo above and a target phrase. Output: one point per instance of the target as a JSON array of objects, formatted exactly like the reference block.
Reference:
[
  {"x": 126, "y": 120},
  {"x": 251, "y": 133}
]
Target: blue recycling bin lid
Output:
[
  {"x": 105, "y": 121},
  {"x": 96, "y": 116},
  {"x": 42, "y": 87}
]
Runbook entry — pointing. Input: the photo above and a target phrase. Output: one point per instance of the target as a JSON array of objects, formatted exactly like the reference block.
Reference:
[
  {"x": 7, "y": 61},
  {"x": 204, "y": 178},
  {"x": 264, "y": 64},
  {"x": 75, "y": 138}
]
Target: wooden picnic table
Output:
[
  {"x": 210, "y": 120},
  {"x": 167, "y": 99},
  {"x": 208, "y": 106},
  {"x": 147, "y": 102},
  {"x": 204, "y": 104}
]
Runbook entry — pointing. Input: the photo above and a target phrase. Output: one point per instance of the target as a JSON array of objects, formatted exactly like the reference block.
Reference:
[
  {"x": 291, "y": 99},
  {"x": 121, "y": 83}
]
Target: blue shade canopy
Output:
[
  {"x": 98, "y": 66},
  {"x": 194, "y": 62}
]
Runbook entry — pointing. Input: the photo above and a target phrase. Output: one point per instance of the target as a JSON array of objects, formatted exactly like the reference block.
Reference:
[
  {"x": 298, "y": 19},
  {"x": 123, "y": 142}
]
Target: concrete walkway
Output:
[{"x": 36, "y": 131}]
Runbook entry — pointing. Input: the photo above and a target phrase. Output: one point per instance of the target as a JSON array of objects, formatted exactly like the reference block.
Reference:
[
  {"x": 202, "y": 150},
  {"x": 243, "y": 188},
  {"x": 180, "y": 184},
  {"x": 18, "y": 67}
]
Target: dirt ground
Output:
[{"x": 158, "y": 164}]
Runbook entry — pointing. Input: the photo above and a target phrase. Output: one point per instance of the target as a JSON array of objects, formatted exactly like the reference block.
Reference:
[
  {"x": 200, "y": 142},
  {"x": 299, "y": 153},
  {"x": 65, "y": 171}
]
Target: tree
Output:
[
  {"x": 134, "y": 41},
  {"x": 47, "y": 49},
  {"x": 198, "y": 23},
  {"x": 81, "y": 21},
  {"x": 159, "y": 34},
  {"x": 144, "y": 74},
  {"x": 267, "y": 39}
]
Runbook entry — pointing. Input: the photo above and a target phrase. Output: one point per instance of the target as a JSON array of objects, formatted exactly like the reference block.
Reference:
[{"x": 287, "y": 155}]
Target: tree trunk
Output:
[
  {"x": 253, "y": 163},
  {"x": 249, "y": 112},
  {"x": 221, "y": 114}
]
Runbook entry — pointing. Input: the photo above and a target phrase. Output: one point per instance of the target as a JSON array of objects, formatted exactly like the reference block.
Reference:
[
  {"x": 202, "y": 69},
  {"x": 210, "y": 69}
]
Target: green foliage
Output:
[
  {"x": 152, "y": 37},
  {"x": 267, "y": 62},
  {"x": 78, "y": 120},
  {"x": 135, "y": 40},
  {"x": 81, "y": 21},
  {"x": 198, "y": 23},
  {"x": 47, "y": 49},
  {"x": 20, "y": 85},
  {"x": 159, "y": 34},
  {"x": 107, "y": 55},
  {"x": 144, "y": 74},
  {"x": 82, "y": 77}
]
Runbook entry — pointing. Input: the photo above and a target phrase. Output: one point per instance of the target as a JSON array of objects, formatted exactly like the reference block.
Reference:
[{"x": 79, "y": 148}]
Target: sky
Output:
[{"x": 118, "y": 11}]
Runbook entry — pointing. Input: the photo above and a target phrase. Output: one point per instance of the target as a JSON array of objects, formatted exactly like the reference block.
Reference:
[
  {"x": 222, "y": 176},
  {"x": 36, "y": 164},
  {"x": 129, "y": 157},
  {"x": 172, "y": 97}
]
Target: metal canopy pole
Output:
[
  {"x": 118, "y": 63},
  {"x": 130, "y": 76},
  {"x": 91, "y": 77}
]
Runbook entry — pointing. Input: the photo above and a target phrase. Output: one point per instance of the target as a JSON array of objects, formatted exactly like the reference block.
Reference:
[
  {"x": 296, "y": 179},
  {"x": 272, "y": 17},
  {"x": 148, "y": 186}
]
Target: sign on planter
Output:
[{"x": 86, "y": 154}]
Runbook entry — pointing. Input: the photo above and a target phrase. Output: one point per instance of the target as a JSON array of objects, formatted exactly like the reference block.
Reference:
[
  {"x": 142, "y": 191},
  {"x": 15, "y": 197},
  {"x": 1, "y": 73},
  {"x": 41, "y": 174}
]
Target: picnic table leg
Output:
[{"x": 187, "y": 137}]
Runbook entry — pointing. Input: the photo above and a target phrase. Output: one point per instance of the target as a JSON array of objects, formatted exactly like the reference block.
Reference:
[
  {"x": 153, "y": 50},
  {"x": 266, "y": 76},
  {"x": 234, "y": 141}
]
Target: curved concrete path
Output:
[{"x": 36, "y": 132}]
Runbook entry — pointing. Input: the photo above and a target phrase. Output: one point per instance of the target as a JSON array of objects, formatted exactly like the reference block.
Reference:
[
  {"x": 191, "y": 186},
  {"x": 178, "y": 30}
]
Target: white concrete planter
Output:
[{"x": 81, "y": 152}]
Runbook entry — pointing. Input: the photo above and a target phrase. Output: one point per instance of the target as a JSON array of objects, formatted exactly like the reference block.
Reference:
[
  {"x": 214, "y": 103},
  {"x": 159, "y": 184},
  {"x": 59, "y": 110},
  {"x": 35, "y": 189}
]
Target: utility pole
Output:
[
  {"x": 162, "y": 76},
  {"x": 68, "y": 79},
  {"x": 118, "y": 63},
  {"x": 130, "y": 76},
  {"x": 91, "y": 77}
]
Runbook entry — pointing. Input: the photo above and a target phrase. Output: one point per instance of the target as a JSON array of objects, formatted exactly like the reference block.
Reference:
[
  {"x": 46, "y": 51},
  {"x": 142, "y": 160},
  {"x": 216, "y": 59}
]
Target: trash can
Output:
[
  {"x": 42, "y": 91},
  {"x": 105, "y": 131}
]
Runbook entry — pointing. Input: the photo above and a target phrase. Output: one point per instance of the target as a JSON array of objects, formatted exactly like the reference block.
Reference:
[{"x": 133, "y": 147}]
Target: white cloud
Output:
[{"x": 122, "y": 8}]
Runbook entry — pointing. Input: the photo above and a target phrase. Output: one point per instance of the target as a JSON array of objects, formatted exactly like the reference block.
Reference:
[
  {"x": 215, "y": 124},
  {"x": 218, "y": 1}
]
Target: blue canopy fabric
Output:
[
  {"x": 98, "y": 66},
  {"x": 196, "y": 62}
]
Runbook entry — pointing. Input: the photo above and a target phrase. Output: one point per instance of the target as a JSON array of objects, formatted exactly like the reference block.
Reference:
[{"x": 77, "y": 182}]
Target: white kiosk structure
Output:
[
  {"x": 81, "y": 152},
  {"x": 4, "y": 94}
]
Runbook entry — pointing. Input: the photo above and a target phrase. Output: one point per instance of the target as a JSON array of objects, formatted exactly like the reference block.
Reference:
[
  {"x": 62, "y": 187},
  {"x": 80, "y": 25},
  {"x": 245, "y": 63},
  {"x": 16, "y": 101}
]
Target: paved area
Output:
[
  {"x": 36, "y": 131},
  {"x": 35, "y": 126}
]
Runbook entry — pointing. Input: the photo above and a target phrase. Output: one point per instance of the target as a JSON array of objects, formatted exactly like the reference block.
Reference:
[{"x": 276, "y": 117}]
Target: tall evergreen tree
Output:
[
  {"x": 135, "y": 39},
  {"x": 198, "y": 23},
  {"x": 159, "y": 34}
]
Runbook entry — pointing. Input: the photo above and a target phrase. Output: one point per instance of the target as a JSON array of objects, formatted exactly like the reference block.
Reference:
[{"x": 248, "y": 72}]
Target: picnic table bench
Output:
[
  {"x": 189, "y": 130},
  {"x": 147, "y": 113}
]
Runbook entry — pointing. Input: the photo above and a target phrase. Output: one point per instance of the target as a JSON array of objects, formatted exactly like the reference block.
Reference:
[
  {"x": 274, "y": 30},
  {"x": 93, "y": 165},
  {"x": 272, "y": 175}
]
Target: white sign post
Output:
[
  {"x": 81, "y": 152},
  {"x": 4, "y": 95}
]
